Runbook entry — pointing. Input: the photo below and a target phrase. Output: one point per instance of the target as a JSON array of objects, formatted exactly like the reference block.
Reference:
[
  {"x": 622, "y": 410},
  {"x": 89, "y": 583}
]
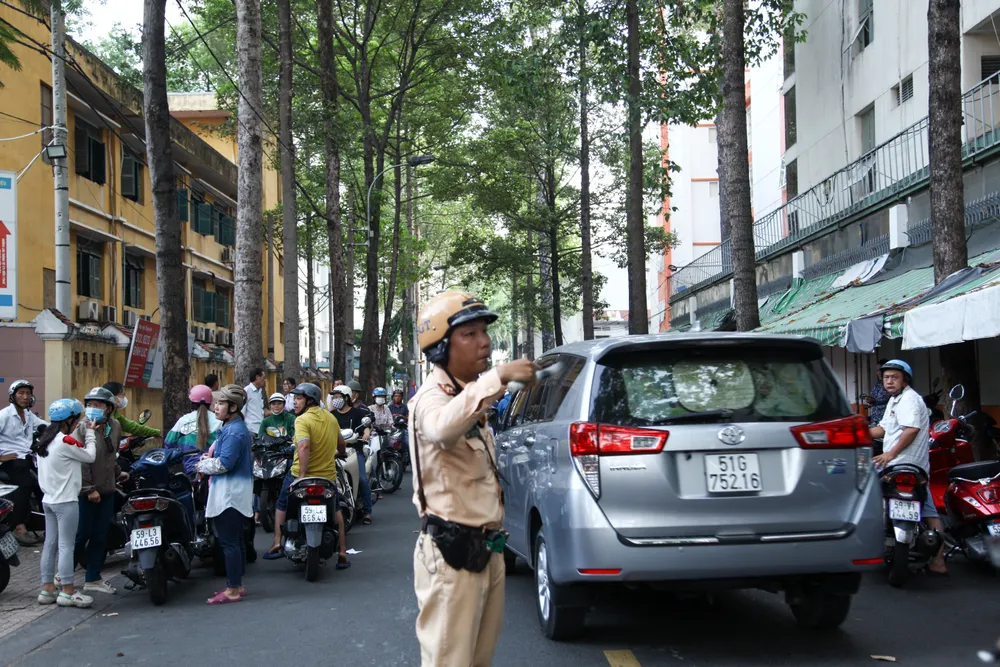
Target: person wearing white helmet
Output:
[
  {"x": 351, "y": 416},
  {"x": 17, "y": 428},
  {"x": 905, "y": 434},
  {"x": 277, "y": 416}
]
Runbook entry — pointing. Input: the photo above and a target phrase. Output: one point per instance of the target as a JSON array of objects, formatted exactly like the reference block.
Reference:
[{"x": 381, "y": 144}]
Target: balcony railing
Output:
[{"x": 896, "y": 165}]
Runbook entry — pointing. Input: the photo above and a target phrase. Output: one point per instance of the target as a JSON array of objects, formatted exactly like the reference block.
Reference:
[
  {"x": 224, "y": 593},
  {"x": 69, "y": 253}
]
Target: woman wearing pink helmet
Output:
[{"x": 195, "y": 432}]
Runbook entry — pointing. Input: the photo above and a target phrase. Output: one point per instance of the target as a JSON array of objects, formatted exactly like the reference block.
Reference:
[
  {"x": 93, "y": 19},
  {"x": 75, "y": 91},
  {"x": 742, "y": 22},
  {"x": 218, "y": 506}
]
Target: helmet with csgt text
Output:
[
  {"x": 441, "y": 315},
  {"x": 235, "y": 394},
  {"x": 898, "y": 365},
  {"x": 201, "y": 394},
  {"x": 310, "y": 391}
]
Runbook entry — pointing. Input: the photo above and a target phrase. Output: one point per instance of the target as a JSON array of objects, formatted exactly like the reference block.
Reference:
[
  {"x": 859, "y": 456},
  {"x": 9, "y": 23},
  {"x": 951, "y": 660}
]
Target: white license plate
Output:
[
  {"x": 904, "y": 510},
  {"x": 732, "y": 473},
  {"x": 313, "y": 514},
  {"x": 145, "y": 538},
  {"x": 8, "y": 545},
  {"x": 994, "y": 529}
]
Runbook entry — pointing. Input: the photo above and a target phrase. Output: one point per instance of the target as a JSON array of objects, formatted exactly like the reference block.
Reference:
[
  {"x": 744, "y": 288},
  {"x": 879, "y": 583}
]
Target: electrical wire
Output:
[
  {"x": 29, "y": 134},
  {"x": 23, "y": 120}
]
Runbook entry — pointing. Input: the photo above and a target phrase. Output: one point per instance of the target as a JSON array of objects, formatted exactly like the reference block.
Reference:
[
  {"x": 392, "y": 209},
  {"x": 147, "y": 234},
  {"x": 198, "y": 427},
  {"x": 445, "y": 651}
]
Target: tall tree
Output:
[
  {"x": 310, "y": 290},
  {"x": 586, "y": 269},
  {"x": 735, "y": 175},
  {"x": 947, "y": 190},
  {"x": 169, "y": 258},
  {"x": 331, "y": 140},
  {"x": 289, "y": 235},
  {"x": 249, "y": 188},
  {"x": 638, "y": 313}
]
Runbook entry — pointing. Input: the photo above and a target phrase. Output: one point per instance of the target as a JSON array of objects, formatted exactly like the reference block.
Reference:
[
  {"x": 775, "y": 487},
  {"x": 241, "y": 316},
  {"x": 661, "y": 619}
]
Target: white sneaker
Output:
[
  {"x": 99, "y": 587},
  {"x": 77, "y": 599},
  {"x": 44, "y": 597}
]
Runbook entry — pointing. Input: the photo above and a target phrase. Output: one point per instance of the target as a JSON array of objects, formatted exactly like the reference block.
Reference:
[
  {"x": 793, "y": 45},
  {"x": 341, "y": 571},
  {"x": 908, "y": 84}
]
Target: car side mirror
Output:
[{"x": 144, "y": 417}]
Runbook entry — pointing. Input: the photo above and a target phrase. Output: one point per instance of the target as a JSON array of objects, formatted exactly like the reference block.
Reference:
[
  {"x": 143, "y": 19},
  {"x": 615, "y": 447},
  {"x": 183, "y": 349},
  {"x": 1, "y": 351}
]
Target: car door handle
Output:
[
  {"x": 529, "y": 441},
  {"x": 503, "y": 445}
]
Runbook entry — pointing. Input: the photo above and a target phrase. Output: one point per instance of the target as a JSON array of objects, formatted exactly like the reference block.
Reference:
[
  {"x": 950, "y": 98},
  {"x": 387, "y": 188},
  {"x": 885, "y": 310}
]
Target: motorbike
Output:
[
  {"x": 348, "y": 472},
  {"x": 908, "y": 543},
  {"x": 388, "y": 462},
  {"x": 272, "y": 455},
  {"x": 949, "y": 447},
  {"x": 8, "y": 543},
  {"x": 159, "y": 518},
  {"x": 311, "y": 537},
  {"x": 399, "y": 441}
]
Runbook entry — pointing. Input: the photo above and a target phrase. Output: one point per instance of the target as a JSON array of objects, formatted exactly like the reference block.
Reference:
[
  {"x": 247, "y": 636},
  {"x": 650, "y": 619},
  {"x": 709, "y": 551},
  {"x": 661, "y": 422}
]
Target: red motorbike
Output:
[{"x": 949, "y": 447}]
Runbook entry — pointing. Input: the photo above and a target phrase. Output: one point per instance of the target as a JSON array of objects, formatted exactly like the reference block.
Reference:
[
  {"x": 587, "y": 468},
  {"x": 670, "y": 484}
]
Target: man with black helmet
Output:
[
  {"x": 458, "y": 563},
  {"x": 17, "y": 431},
  {"x": 906, "y": 437},
  {"x": 317, "y": 446}
]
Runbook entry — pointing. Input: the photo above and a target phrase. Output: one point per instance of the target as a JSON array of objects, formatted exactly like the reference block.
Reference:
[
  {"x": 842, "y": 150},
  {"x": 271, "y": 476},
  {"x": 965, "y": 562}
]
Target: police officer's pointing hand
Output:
[{"x": 519, "y": 370}]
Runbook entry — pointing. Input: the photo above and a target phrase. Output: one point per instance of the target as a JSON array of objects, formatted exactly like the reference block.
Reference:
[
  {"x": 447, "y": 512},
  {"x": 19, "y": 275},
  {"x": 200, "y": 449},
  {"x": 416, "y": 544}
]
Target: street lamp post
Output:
[{"x": 414, "y": 161}]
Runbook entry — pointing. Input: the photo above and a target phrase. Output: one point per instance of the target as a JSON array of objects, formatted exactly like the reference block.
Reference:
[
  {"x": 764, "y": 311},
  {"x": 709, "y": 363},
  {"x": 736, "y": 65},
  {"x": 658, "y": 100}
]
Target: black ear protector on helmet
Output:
[{"x": 437, "y": 353}]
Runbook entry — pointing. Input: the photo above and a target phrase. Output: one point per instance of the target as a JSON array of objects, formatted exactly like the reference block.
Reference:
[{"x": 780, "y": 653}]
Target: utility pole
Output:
[{"x": 60, "y": 168}]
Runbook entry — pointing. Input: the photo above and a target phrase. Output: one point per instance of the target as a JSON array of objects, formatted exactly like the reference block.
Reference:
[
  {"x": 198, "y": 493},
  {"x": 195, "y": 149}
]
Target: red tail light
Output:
[
  {"x": 989, "y": 494},
  {"x": 905, "y": 482},
  {"x": 143, "y": 504},
  {"x": 586, "y": 439},
  {"x": 316, "y": 490},
  {"x": 844, "y": 433},
  {"x": 600, "y": 571},
  {"x": 6, "y": 507}
]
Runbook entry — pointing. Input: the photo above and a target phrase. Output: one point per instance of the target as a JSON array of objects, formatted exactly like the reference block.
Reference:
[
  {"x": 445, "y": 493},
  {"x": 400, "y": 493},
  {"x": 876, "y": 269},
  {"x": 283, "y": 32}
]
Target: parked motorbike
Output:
[
  {"x": 159, "y": 517},
  {"x": 908, "y": 543},
  {"x": 272, "y": 455},
  {"x": 8, "y": 543},
  {"x": 949, "y": 447},
  {"x": 310, "y": 532}
]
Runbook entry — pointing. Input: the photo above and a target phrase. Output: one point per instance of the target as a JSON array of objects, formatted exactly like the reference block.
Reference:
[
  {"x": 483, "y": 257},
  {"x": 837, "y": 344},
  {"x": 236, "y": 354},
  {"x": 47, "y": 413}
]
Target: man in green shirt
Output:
[
  {"x": 278, "y": 418},
  {"x": 128, "y": 426}
]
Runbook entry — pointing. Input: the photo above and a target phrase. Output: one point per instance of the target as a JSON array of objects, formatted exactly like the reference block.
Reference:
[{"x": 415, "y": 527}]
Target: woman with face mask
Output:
[
  {"x": 381, "y": 411},
  {"x": 97, "y": 495},
  {"x": 128, "y": 426}
]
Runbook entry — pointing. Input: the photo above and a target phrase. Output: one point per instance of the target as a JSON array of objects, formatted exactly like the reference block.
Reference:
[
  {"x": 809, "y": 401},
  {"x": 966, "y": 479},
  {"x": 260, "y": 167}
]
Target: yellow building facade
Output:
[{"x": 113, "y": 258}]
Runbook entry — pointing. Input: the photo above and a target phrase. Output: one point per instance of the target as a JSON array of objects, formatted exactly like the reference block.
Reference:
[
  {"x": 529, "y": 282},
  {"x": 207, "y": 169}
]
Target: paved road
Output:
[{"x": 364, "y": 616}]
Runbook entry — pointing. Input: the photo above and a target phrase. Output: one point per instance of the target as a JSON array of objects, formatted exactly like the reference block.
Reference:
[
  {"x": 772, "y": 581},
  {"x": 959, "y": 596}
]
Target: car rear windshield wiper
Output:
[{"x": 707, "y": 415}]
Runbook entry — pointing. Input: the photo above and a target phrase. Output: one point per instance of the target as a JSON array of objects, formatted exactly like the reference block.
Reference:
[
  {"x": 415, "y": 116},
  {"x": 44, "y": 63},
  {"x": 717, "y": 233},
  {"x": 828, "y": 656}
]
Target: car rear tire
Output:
[
  {"x": 558, "y": 622},
  {"x": 816, "y": 609},
  {"x": 899, "y": 568}
]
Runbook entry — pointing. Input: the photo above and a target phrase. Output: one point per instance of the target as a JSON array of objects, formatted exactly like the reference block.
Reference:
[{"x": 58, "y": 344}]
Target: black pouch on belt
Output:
[{"x": 462, "y": 547}]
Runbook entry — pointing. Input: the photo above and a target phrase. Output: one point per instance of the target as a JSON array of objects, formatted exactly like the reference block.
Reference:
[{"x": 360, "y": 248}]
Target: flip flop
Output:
[
  {"x": 242, "y": 593},
  {"x": 273, "y": 555},
  {"x": 222, "y": 598},
  {"x": 367, "y": 520},
  {"x": 343, "y": 564}
]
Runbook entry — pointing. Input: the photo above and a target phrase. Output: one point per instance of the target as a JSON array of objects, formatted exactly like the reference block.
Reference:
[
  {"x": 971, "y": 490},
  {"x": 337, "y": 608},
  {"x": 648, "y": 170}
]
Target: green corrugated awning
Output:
[
  {"x": 713, "y": 320},
  {"x": 797, "y": 297}
]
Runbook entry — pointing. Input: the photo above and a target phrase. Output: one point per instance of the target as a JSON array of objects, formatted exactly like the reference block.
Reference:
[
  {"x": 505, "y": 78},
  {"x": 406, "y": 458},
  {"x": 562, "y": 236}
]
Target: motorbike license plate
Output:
[
  {"x": 313, "y": 514},
  {"x": 8, "y": 545},
  {"x": 994, "y": 529},
  {"x": 145, "y": 538},
  {"x": 732, "y": 473},
  {"x": 904, "y": 510}
]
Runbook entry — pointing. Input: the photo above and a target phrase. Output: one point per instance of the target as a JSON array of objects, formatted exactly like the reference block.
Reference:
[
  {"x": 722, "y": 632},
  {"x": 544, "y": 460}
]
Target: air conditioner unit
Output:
[
  {"x": 211, "y": 335},
  {"x": 200, "y": 334},
  {"x": 109, "y": 314},
  {"x": 227, "y": 338},
  {"x": 131, "y": 318},
  {"x": 194, "y": 330},
  {"x": 89, "y": 311},
  {"x": 148, "y": 318},
  {"x": 228, "y": 255}
]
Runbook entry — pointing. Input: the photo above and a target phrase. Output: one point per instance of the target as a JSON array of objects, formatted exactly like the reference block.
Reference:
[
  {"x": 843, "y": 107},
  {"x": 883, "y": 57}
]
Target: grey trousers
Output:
[{"x": 61, "y": 520}]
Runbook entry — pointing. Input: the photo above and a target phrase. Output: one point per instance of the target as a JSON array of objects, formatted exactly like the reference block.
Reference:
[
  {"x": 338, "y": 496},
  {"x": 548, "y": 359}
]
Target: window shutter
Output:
[
  {"x": 208, "y": 306},
  {"x": 95, "y": 276},
  {"x": 229, "y": 236},
  {"x": 196, "y": 293},
  {"x": 128, "y": 176},
  {"x": 216, "y": 224},
  {"x": 182, "y": 204},
  {"x": 221, "y": 309},
  {"x": 990, "y": 66},
  {"x": 81, "y": 148},
  {"x": 97, "y": 174},
  {"x": 204, "y": 226}
]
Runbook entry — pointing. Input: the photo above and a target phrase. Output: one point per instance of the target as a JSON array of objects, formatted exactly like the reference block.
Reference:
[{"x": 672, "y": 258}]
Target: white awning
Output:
[{"x": 971, "y": 316}]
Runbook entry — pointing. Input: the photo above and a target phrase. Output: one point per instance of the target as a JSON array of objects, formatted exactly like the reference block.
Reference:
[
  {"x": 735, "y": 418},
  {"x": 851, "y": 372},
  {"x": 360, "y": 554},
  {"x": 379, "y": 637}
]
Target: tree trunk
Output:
[
  {"x": 328, "y": 70},
  {"x": 407, "y": 326},
  {"x": 947, "y": 189},
  {"x": 169, "y": 259},
  {"x": 270, "y": 284},
  {"x": 352, "y": 224},
  {"x": 529, "y": 310},
  {"x": 249, "y": 222},
  {"x": 724, "y": 226},
  {"x": 638, "y": 312},
  {"x": 587, "y": 286},
  {"x": 515, "y": 325},
  {"x": 330, "y": 318},
  {"x": 732, "y": 140},
  {"x": 310, "y": 293},
  {"x": 369, "y": 331},
  {"x": 289, "y": 234},
  {"x": 390, "y": 297},
  {"x": 545, "y": 275}
]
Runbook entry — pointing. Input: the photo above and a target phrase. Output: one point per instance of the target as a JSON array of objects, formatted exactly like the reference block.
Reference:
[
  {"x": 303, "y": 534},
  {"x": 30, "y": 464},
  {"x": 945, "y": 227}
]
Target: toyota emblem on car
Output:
[{"x": 732, "y": 435}]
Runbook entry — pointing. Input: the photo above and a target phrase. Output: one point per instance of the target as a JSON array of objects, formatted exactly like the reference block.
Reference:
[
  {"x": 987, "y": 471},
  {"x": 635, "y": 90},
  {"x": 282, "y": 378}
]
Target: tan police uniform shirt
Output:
[{"x": 457, "y": 452}]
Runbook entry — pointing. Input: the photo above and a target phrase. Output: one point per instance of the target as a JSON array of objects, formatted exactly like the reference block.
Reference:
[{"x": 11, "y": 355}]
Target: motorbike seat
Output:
[{"x": 976, "y": 470}]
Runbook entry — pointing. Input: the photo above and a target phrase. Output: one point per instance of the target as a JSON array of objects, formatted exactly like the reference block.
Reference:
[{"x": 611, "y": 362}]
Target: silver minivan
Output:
[{"x": 689, "y": 461}]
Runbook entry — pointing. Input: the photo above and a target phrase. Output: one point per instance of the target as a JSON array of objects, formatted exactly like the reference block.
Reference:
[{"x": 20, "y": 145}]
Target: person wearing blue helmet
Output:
[
  {"x": 905, "y": 433},
  {"x": 380, "y": 411},
  {"x": 60, "y": 476}
]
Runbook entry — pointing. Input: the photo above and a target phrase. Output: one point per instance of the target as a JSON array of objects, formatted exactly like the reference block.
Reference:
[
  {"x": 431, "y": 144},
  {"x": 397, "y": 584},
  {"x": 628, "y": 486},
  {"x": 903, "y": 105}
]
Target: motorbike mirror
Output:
[
  {"x": 957, "y": 392},
  {"x": 144, "y": 417}
]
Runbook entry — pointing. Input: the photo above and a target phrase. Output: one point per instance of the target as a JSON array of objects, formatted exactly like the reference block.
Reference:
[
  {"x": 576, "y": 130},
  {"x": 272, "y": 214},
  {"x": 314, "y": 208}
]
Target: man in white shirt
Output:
[
  {"x": 17, "y": 429},
  {"x": 253, "y": 410},
  {"x": 288, "y": 385},
  {"x": 906, "y": 438}
]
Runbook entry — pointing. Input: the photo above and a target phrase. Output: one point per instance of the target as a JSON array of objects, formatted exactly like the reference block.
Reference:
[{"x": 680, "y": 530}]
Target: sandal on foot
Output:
[
  {"x": 243, "y": 593},
  {"x": 367, "y": 520},
  {"x": 222, "y": 598},
  {"x": 343, "y": 563},
  {"x": 274, "y": 555},
  {"x": 45, "y": 597}
]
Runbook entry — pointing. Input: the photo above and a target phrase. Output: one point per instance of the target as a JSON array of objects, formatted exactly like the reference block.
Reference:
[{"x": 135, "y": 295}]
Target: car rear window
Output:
[{"x": 715, "y": 385}]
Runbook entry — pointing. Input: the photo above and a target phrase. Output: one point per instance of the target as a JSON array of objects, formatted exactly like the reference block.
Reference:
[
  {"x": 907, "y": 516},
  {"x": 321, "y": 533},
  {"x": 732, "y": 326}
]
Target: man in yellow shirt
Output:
[{"x": 317, "y": 445}]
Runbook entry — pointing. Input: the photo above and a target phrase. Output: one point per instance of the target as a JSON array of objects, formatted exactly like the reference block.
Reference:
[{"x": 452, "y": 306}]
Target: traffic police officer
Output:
[{"x": 458, "y": 563}]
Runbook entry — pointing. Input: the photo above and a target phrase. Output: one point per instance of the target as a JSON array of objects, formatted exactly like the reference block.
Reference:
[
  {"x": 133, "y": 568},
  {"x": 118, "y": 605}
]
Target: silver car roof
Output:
[{"x": 595, "y": 349}]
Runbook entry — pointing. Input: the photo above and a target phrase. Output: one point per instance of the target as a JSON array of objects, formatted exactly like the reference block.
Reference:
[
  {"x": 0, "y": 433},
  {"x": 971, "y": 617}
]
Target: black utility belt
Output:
[{"x": 463, "y": 547}]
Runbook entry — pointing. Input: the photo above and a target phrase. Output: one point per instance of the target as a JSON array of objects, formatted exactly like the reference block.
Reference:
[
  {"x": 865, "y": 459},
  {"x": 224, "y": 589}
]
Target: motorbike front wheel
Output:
[
  {"x": 266, "y": 508},
  {"x": 312, "y": 564},
  {"x": 391, "y": 474},
  {"x": 899, "y": 568},
  {"x": 156, "y": 583}
]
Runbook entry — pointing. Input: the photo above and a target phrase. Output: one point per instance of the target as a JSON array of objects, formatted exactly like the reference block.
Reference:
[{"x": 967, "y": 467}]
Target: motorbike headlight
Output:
[
  {"x": 280, "y": 468},
  {"x": 258, "y": 470}
]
